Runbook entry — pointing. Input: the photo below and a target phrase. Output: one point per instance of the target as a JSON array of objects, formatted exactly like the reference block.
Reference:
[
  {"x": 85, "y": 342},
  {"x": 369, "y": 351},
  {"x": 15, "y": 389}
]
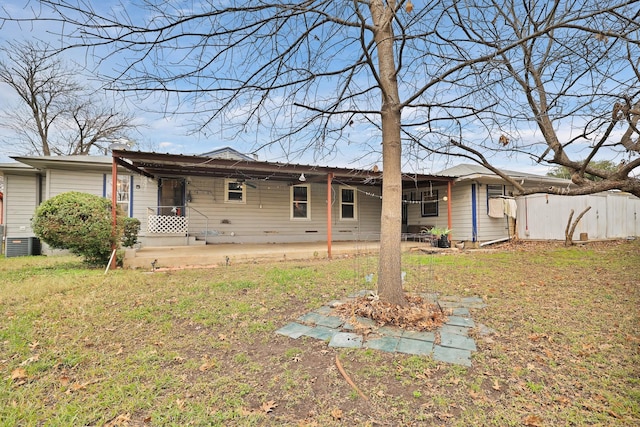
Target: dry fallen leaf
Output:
[
  {"x": 206, "y": 365},
  {"x": 120, "y": 420},
  {"x": 64, "y": 381},
  {"x": 532, "y": 421},
  {"x": 268, "y": 406},
  {"x": 495, "y": 385},
  {"x": 18, "y": 374},
  {"x": 336, "y": 413},
  {"x": 32, "y": 359}
]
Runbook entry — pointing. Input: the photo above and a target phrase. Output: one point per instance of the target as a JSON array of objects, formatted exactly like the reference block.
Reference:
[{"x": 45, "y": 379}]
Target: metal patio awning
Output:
[{"x": 157, "y": 165}]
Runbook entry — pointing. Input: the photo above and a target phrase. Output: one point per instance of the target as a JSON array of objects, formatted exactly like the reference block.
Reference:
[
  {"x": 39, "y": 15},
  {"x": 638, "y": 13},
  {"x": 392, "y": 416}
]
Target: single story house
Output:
[
  {"x": 224, "y": 196},
  {"x": 220, "y": 197}
]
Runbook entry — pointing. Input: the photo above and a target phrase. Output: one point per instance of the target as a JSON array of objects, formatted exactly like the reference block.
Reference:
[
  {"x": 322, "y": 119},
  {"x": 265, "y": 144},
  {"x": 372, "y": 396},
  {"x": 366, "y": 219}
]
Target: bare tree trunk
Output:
[
  {"x": 571, "y": 227},
  {"x": 389, "y": 267}
]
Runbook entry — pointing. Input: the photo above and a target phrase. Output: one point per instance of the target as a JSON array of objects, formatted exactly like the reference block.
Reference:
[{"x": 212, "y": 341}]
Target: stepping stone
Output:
[
  {"x": 324, "y": 310},
  {"x": 461, "y": 311},
  {"x": 474, "y": 302},
  {"x": 409, "y": 346},
  {"x": 321, "y": 333},
  {"x": 311, "y": 318},
  {"x": 449, "y": 304},
  {"x": 391, "y": 331},
  {"x": 345, "y": 339},
  {"x": 452, "y": 355},
  {"x": 457, "y": 341},
  {"x": 330, "y": 322},
  {"x": 366, "y": 321},
  {"x": 460, "y": 321},
  {"x": 387, "y": 344},
  {"x": 293, "y": 330},
  {"x": 420, "y": 336},
  {"x": 458, "y": 330}
]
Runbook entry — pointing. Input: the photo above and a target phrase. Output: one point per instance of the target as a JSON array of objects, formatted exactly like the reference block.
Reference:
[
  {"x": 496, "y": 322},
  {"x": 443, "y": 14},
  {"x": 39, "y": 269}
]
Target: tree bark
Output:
[
  {"x": 571, "y": 227},
  {"x": 389, "y": 264}
]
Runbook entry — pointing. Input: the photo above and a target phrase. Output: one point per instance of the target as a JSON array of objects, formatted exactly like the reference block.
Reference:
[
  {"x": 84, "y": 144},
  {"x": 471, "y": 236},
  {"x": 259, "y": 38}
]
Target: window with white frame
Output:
[
  {"x": 234, "y": 191},
  {"x": 348, "y": 203},
  {"x": 123, "y": 192},
  {"x": 300, "y": 202},
  {"x": 430, "y": 203}
]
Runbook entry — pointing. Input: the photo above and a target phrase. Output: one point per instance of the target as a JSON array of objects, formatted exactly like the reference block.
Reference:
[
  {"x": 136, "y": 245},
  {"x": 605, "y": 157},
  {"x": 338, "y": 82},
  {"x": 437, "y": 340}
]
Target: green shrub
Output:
[
  {"x": 130, "y": 228},
  {"x": 81, "y": 223}
]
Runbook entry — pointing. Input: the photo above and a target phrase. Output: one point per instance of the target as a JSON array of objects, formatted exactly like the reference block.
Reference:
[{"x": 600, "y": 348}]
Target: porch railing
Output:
[{"x": 173, "y": 220}]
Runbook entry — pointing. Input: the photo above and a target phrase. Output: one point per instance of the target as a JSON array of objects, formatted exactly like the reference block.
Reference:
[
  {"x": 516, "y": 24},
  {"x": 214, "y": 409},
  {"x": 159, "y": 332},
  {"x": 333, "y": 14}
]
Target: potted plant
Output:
[{"x": 442, "y": 233}]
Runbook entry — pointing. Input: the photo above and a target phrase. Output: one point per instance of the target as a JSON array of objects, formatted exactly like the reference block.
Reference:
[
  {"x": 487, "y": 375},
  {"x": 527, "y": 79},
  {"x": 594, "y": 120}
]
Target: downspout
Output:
[
  {"x": 474, "y": 214},
  {"x": 329, "y": 203},
  {"x": 449, "y": 222},
  {"x": 114, "y": 212}
]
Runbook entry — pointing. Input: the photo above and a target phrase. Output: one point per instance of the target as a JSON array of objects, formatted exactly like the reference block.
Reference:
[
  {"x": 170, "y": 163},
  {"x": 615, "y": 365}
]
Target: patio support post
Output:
[
  {"x": 449, "y": 207},
  {"x": 329, "y": 202},
  {"x": 114, "y": 212}
]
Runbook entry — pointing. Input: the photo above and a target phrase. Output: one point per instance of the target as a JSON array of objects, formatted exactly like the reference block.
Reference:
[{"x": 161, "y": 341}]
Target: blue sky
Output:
[{"x": 171, "y": 132}]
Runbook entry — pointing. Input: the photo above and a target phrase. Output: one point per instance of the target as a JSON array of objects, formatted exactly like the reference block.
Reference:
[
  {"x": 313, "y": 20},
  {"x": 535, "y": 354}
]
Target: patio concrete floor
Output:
[
  {"x": 221, "y": 254},
  {"x": 454, "y": 344}
]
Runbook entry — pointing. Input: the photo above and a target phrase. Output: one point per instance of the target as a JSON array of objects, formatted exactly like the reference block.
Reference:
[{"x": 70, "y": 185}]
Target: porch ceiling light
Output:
[{"x": 302, "y": 178}]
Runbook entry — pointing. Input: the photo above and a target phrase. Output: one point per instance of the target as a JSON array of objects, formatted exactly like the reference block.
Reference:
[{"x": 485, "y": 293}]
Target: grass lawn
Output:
[{"x": 197, "y": 347}]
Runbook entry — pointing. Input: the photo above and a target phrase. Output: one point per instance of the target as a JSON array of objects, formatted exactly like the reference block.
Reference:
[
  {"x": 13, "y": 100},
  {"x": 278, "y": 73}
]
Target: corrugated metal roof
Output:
[{"x": 473, "y": 171}]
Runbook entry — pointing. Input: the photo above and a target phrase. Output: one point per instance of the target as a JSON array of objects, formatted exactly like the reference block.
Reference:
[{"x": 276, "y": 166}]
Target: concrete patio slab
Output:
[
  {"x": 330, "y": 322},
  {"x": 346, "y": 340},
  {"x": 421, "y": 336},
  {"x": 460, "y": 321},
  {"x": 311, "y": 318},
  {"x": 321, "y": 333},
  {"x": 461, "y": 311},
  {"x": 293, "y": 330},
  {"x": 325, "y": 309},
  {"x": 387, "y": 344},
  {"x": 391, "y": 331},
  {"x": 457, "y": 341},
  {"x": 409, "y": 346},
  {"x": 459, "y": 330}
]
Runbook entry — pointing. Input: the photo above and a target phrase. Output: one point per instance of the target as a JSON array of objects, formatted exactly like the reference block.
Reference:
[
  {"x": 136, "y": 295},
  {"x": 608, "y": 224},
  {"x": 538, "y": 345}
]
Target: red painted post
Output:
[
  {"x": 329, "y": 203},
  {"x": 114, "y": 205}
]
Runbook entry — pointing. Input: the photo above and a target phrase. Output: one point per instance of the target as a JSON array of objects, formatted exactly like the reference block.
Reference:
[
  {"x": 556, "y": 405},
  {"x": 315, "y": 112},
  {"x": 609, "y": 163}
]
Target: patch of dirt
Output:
[{"x": 418, "y": 315}]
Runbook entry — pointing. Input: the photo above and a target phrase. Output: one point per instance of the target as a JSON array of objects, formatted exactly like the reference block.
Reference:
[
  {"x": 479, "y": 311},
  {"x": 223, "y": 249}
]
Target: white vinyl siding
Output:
[
  {"x": 61, "y": 181},
  {"x": 266, "y": 217},
  {"x": 19, "y": 204}
]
